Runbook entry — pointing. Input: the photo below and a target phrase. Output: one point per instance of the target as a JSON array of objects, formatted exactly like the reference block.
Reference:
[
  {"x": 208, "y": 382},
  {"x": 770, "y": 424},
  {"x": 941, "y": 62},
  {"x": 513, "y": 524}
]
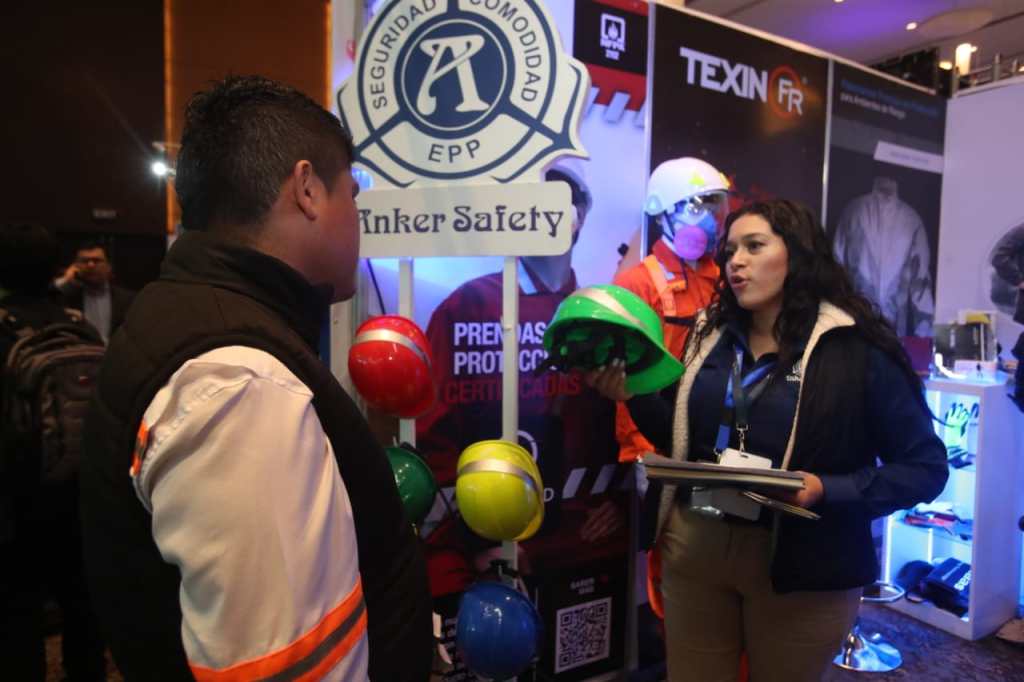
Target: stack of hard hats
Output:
[
  {"x": 499, "y": 490},
  {"x": 498, "y": 630},
  {"x": 599, "y": 324},
  {"x": 390, "y": 365},
  {"x": 416, "y": 484}
]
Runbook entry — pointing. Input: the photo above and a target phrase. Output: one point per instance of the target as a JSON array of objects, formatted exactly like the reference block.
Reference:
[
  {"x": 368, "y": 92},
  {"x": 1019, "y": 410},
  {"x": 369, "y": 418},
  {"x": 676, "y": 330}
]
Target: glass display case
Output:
[{"x": 959, "y": 557}]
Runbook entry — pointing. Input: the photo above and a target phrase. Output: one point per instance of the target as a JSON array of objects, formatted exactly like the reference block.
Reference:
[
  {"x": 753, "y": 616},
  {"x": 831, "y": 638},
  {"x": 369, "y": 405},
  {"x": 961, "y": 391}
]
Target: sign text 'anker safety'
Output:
[{"x": 515, "y": 219}]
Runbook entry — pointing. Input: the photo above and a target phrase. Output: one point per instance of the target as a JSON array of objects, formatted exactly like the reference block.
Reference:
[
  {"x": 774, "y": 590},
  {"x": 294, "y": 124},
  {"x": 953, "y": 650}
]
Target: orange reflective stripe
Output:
[
  {"x": 308, "y": 657},
  {"x": 337, "y": 653},
  {"x": 141, "y": 443},
  {"x": 665, "y": 292}
]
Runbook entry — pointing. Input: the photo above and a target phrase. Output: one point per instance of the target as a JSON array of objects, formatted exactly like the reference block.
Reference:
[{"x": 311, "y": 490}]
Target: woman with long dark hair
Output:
[{"x": 789, "y": 368}]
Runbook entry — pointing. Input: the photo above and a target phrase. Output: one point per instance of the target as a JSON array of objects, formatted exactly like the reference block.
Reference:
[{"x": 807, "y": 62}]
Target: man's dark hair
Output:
[
  {"x": 90, "y": 243},
  {"x": 242, "y": 138},
  {"x": 29, "y": 255}
]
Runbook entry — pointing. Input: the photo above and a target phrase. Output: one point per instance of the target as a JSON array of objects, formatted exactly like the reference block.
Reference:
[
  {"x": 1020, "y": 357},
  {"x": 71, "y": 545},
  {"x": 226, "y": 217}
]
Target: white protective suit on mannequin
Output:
[{"x": 882, "y": 242}]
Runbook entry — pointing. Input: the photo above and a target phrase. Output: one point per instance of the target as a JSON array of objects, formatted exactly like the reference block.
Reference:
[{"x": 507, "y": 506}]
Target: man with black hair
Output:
[
  {"x": 240, "y": 520},
  {"x": 87, "y": 285},
  {"x": 40, "y": 539}
]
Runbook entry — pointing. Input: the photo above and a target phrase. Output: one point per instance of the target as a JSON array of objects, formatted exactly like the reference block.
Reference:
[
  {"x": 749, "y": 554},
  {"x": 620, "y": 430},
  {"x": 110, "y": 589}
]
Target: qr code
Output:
[{"x": 583, "y": 634}]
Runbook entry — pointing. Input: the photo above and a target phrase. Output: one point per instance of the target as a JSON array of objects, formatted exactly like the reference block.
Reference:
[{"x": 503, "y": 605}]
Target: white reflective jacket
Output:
[
  {"x": 248, "y": 503},
  {"x": 882, "y": 242}
]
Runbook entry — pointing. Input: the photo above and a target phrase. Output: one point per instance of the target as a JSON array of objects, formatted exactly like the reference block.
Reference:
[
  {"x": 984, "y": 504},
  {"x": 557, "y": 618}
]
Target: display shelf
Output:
[
  {"x": 940, "y": 535},
  {"x": 933, "y": 615},
  {"x": 976, "y": 417},
  {"x": 978, "y": 388}
]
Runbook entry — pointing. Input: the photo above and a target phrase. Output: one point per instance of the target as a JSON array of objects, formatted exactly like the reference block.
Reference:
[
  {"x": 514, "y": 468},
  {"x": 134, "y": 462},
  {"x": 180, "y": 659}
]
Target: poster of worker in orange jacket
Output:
[{"x": 576, "y": 566}]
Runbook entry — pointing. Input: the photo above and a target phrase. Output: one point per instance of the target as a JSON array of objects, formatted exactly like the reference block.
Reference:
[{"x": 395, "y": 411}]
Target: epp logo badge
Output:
[
  {"x": 613, "y": 35},
  {"x": 449, "y": 91}
]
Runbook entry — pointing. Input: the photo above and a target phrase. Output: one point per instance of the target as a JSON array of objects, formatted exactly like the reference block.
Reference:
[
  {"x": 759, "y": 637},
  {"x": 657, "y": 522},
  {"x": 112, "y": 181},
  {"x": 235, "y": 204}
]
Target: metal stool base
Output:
[{"x": 871, "y": 654}]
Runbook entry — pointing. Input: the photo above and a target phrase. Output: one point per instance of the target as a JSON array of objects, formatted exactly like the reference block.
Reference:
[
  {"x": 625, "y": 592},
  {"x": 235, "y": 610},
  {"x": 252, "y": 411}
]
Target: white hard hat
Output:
[
  {"x": 679, "y": 179},
  {"x": 572, "y": 168}
]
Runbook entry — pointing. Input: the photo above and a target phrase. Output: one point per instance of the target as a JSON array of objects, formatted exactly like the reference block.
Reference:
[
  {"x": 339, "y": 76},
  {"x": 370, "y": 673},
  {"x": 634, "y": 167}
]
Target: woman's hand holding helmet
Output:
[{"x": 609, "y": 381}]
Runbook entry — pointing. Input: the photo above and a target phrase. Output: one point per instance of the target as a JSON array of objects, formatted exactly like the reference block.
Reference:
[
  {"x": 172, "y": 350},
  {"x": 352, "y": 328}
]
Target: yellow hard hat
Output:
[{"x": 499, "y": 490}]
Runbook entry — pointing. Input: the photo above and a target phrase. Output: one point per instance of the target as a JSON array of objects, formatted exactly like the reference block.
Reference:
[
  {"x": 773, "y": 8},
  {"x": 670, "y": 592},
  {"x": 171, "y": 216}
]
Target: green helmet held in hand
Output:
[{"x": 598, "y": 324}]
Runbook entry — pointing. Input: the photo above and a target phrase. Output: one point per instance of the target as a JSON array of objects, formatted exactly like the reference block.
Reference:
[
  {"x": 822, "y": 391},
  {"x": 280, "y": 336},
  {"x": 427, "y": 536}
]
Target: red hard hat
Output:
[{"x": 390, "y": 365}]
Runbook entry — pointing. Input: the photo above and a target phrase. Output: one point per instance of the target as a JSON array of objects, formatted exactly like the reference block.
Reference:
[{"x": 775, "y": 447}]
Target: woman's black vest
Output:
[{"x": 209, "y": 295}]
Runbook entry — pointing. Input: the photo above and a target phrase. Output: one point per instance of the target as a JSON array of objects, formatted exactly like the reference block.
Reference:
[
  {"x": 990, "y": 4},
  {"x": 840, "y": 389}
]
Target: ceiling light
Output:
[
  {"x": 161, "y": 169},
  {"x": 962, "y": 57},
  {"x": 838, "y": 1},
  {"x": 946, "y": 65},
  {"x": 911, "y": 26},
  {"x": 974, "y": 48}
]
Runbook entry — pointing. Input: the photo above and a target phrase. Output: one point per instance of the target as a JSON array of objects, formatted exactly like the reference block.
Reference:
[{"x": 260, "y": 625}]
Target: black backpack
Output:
[{"x": 48, "y": 378}]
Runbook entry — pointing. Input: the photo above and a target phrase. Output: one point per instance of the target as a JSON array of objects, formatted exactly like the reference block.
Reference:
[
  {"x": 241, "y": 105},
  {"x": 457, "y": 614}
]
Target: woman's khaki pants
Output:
[{"x": 719, "y": 603}]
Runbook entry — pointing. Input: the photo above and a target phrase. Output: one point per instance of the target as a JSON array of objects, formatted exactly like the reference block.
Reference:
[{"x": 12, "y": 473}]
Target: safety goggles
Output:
[{"x": 694, "y": 210}]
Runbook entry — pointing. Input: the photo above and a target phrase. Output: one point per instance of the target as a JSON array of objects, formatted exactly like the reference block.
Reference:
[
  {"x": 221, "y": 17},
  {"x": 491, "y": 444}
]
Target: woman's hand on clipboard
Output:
[{"x": 811, "y": 494}]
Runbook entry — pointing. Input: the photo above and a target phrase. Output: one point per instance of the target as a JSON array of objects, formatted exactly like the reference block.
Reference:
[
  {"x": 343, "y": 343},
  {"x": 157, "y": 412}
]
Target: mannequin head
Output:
[{"x": 689, "y": 199}]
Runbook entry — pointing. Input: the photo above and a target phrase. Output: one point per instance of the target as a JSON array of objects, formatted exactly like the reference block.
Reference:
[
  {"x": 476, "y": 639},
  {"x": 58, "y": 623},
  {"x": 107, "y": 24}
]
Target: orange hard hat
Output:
[{"x": 390, "y": 365}]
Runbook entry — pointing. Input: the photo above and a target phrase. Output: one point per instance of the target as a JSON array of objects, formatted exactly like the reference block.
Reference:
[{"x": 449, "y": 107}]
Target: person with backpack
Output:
[
  {"x": 87, "y": 285},
  {"x": 50, "y": 358}
]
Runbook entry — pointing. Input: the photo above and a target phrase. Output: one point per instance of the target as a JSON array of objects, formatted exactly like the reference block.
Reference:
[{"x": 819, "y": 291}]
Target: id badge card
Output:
[
  {"x": 731, "y": 500},
  {"x": 734, "y": 458}
]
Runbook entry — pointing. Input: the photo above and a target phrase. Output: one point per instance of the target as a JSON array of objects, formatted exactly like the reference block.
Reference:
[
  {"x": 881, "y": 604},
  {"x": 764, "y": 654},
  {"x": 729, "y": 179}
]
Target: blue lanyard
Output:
[{"x": 738, "y": 401}]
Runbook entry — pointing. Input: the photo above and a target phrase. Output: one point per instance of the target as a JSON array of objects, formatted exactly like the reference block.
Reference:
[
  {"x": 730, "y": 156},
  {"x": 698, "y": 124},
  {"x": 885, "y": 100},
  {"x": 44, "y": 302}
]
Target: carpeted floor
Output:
[{"x": 928, "y": 654}]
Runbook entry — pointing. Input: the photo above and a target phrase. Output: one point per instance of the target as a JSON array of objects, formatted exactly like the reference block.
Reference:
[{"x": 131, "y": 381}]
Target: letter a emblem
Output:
[{"x": 463, "y": 48}]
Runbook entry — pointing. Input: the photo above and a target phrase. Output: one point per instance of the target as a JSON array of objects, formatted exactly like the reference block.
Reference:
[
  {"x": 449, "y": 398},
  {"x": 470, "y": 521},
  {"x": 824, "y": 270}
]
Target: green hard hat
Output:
[
  {"x": 416, "y": 484},
  {"x": 598, "y": 324}
]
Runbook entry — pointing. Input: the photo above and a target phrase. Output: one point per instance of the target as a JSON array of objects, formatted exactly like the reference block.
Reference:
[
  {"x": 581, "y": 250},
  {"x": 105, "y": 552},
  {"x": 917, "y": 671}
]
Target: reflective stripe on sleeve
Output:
[{"x": 310, "y": 656}]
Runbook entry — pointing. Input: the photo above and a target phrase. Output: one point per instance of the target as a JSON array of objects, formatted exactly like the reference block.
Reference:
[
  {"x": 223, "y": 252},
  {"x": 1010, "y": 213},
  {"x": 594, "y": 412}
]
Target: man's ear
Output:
[{"x": 305, "y": 188}]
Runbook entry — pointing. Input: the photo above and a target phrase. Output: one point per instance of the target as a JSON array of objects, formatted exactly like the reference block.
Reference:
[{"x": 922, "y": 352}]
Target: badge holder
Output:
[
  {"x": 717, "y": 502},
  {"x": 731, "y": 500}
]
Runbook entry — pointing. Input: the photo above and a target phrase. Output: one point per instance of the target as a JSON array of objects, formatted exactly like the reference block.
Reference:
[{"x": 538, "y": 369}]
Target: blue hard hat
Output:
[{"x": 498, "y": 630}]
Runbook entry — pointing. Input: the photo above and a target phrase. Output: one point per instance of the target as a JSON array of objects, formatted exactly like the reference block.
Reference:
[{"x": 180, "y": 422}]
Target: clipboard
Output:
[
  {"x": 674, "y": 472},
  {"x": 778, "y": 505}
]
